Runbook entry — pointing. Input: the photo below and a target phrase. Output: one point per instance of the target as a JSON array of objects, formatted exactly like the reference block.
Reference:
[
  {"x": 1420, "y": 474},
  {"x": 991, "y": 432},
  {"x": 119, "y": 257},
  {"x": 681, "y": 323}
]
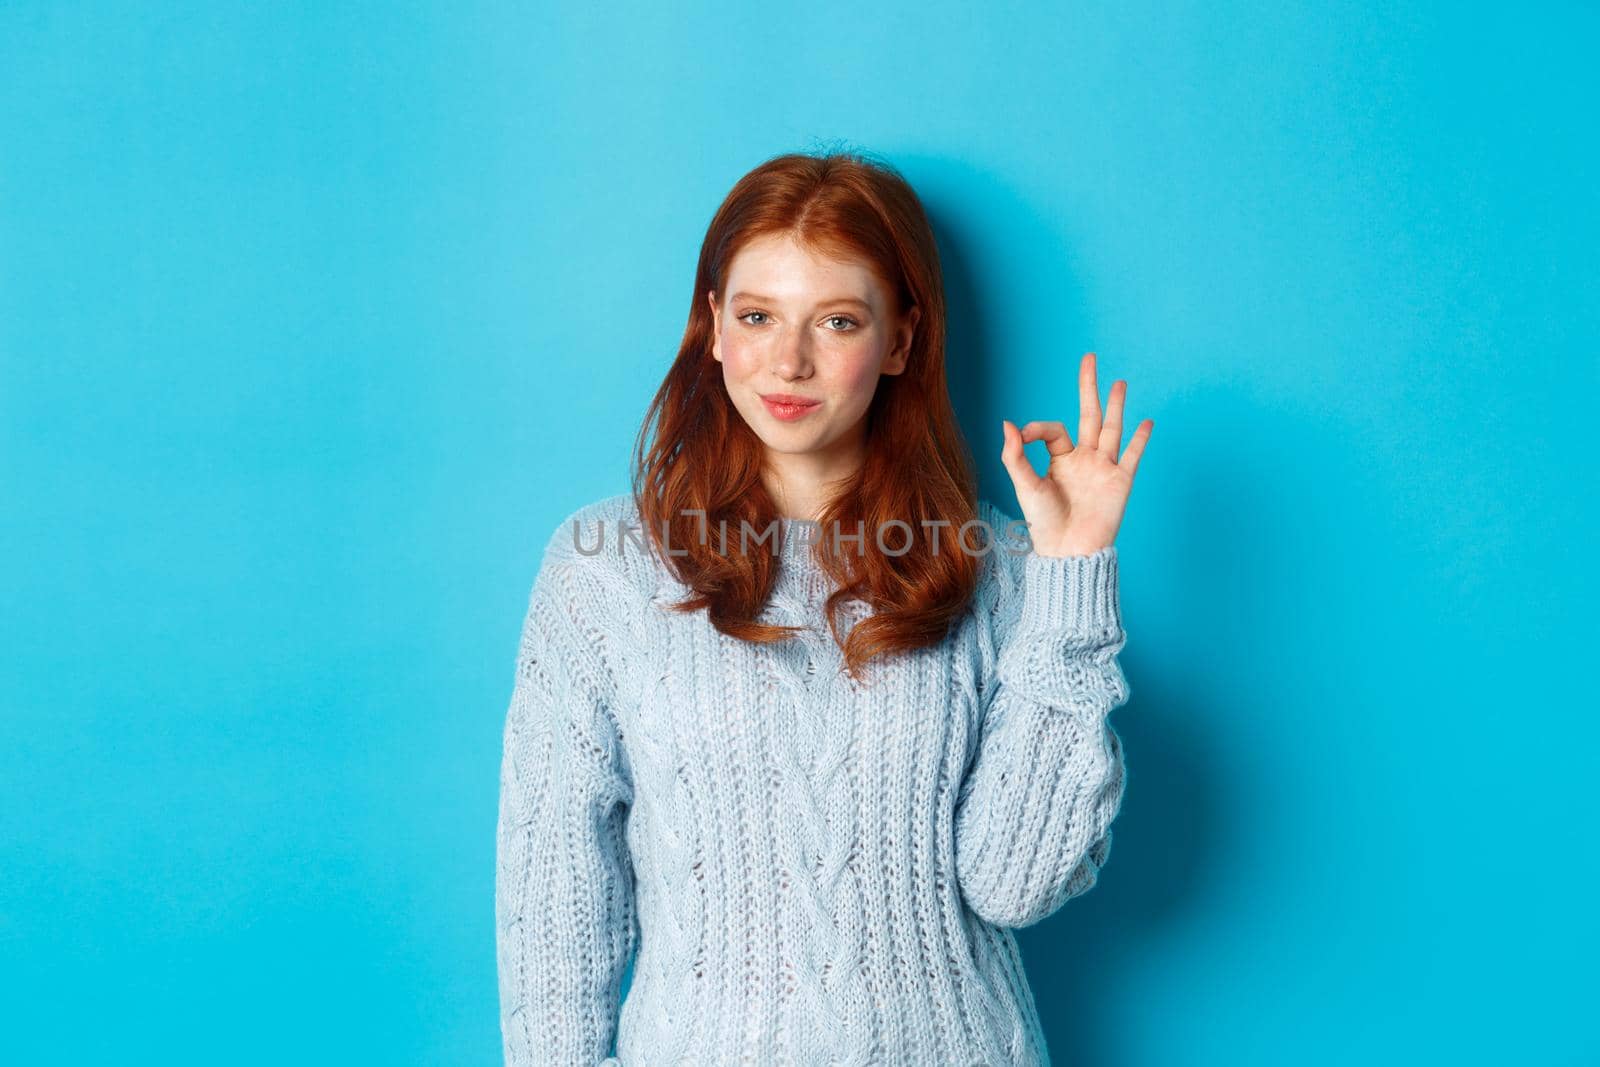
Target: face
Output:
[{"x": 792, "y": 325}]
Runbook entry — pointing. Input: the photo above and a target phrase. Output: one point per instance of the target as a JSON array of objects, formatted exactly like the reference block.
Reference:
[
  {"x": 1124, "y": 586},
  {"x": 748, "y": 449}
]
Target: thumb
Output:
[{"x": 1015, "y": 460}]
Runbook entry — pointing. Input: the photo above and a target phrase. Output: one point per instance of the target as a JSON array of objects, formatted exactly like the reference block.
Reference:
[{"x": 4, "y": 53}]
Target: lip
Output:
[{"x": 788, "y": 407}]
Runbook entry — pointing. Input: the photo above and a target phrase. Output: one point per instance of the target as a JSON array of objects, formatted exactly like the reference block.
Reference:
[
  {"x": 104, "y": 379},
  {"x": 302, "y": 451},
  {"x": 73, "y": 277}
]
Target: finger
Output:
[
  {"x": 1130, "y": 455},
  {"x": 1016, "y": 462},
  {"x": 1053, "y": 434},
  {"x": 1111, "y": 431},
  {"x": 1088, "y": 402}
]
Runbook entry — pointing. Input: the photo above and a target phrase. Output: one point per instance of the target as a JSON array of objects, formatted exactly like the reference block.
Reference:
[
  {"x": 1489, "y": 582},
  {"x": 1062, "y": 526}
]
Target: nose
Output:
[{"x": 794, "y": 355}]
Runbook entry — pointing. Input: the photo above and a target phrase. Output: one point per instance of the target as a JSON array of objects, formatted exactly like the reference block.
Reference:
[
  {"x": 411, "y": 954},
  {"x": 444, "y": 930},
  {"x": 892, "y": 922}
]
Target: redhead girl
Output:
[{"x": 802, "y": 728}]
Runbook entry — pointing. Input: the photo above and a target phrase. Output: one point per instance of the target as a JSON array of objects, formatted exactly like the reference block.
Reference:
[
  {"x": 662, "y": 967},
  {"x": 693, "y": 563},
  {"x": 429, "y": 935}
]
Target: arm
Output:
[
  {"x": 565, "y": 926},
  {"x": 1034, "y": 813}
]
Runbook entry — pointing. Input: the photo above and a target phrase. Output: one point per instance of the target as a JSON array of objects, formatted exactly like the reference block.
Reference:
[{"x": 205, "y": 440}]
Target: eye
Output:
[
  {"x": 842, "y": 318},
  {"x": 747, "y": 314}
]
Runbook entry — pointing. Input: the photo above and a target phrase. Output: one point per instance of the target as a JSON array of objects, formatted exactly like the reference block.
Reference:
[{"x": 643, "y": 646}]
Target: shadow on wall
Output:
[{"x": 1084, "y": 959}]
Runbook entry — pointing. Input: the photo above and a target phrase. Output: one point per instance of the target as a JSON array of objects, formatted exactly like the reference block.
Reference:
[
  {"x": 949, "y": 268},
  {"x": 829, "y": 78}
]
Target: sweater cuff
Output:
[{"x": 1076, "y": 593}]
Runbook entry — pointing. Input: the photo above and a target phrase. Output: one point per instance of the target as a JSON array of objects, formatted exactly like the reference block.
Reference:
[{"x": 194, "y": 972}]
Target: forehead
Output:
[{"x": 778, "y": 268}]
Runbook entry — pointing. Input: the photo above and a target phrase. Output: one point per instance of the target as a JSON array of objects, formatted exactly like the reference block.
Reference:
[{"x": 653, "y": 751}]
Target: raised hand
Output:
[{"x": 1076, "y": 506}]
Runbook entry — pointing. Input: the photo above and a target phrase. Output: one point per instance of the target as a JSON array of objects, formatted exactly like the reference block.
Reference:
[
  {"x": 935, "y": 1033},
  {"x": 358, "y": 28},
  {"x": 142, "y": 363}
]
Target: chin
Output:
[{"x": 789, "y": 448}]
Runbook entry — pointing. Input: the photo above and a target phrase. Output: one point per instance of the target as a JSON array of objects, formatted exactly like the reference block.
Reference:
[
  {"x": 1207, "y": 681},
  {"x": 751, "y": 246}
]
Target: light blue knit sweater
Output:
[{"x": 813, "y": 871}]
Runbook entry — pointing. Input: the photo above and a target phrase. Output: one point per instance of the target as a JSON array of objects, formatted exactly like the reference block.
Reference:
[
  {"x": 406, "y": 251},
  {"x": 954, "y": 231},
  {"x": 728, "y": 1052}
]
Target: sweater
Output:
[{"x": 800, "y": 868}]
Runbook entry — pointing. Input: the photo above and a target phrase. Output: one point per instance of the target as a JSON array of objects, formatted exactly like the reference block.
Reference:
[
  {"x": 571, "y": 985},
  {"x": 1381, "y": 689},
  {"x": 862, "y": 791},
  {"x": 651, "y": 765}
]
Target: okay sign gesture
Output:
[{"x": 1076, "y": 507}]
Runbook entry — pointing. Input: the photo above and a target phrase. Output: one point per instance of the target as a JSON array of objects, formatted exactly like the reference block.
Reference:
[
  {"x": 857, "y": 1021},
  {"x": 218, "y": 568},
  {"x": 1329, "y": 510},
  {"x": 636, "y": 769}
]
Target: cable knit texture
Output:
[{"x": 802, "y": 869}]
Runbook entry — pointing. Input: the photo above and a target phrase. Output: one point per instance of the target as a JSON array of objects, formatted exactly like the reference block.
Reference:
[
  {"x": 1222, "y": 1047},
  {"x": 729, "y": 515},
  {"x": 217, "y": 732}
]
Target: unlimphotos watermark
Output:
[{"x": 894, "y": 537}]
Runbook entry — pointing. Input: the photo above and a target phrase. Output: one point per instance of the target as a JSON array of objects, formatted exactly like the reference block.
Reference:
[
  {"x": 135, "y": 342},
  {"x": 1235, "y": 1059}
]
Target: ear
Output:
[
  {"x": 716, "y": 326},
  {"x": 896, "y": 361}
]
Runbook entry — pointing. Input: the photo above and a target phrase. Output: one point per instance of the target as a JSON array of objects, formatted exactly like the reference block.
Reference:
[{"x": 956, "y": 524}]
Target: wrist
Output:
[{"x": 1067, "y": 547}]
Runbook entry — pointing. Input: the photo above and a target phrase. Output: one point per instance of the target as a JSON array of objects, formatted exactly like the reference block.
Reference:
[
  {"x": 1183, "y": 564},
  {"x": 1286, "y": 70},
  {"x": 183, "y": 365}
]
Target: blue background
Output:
[{"x": 314, "y": 322}]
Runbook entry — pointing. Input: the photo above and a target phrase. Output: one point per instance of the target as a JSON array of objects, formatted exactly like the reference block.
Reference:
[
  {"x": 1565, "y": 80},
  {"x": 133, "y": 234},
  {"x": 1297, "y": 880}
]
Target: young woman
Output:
[{"x": 801, "y": 718}]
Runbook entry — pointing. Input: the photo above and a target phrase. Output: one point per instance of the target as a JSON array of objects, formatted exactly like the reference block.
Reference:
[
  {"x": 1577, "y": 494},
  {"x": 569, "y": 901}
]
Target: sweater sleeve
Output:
[
  {"x": 1035, "y": 809},
  {"x": 565, "y": 924}
]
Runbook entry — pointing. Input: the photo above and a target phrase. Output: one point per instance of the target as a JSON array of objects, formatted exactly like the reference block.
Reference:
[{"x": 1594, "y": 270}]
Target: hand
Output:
[{"x": 1076, "y": 507}]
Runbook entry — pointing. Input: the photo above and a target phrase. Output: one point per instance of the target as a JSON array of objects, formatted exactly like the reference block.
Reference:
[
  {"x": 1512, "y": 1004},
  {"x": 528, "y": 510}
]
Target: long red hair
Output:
[{"x": 696, "y": 453}]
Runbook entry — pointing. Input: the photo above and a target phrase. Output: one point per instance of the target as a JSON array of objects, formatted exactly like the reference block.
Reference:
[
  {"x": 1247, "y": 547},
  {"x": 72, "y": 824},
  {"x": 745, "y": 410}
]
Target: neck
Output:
[{"x": 802, "y": 483}]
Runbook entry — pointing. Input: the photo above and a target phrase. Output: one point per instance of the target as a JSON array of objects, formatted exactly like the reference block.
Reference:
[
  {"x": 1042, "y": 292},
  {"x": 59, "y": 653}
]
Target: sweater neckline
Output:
[
  {"x": 800, "y": 574},
  {"x": 797, "y": 543}
]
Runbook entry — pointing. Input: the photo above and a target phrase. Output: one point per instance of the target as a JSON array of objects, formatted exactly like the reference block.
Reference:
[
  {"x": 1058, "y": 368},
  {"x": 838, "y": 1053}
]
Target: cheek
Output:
[
  {"x": 856, "y": 375},
  {"x": 739, "y": 358}
]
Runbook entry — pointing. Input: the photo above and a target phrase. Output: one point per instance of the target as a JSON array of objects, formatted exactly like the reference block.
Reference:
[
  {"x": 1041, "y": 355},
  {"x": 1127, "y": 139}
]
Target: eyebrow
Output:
[{"x": 741, "y": 295}]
